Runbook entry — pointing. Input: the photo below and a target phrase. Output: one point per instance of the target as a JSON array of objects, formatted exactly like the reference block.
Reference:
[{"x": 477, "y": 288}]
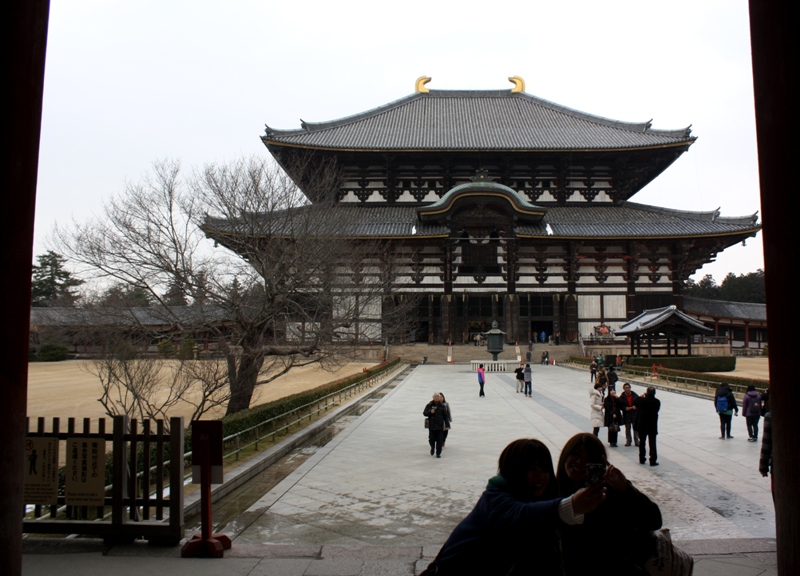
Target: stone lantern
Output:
[{"x": 494, "y": 341}]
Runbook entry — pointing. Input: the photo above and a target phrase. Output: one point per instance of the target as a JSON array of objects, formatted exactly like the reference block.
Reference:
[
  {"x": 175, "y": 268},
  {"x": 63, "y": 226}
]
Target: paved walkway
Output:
[{"x": 373, "y": 500}]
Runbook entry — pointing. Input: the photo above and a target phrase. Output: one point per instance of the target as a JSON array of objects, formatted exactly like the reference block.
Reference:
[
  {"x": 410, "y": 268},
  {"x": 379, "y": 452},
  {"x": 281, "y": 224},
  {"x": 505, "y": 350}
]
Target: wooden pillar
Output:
[
  {"x": 776, "y": 67},
  {"x": 23, "y": 29}
]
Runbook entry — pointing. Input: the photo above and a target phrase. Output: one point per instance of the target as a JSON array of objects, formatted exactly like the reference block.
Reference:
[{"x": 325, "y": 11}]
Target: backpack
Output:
[
  {"x": 722, "y": 403},
  {"x": 755, "y": 406}
]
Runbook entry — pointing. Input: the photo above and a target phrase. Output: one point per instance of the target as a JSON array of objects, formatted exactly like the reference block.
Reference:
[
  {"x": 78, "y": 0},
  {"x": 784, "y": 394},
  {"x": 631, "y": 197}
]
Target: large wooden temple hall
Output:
[{"x": 499, "y": 205}]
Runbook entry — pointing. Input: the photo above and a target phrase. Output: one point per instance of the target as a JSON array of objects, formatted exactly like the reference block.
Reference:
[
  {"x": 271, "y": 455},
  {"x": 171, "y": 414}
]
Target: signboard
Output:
[
  {"x": 207, "y": 435},
  {"x": 41, "y": 471},
  {"x": 85, "y": 483}
]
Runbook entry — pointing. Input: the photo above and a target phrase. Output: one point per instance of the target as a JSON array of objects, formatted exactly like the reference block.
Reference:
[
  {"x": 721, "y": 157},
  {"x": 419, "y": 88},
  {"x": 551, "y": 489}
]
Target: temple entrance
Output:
[{"x": 539, "y": 326}]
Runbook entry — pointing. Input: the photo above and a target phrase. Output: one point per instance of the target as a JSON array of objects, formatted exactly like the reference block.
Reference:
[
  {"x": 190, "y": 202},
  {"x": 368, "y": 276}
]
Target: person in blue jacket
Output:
[{"x": 513, "y": 527}]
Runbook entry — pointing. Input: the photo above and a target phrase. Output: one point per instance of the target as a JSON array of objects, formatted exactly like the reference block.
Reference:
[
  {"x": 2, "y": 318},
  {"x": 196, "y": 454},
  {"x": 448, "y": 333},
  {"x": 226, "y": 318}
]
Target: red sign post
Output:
[{"x": 207, "y": 460}]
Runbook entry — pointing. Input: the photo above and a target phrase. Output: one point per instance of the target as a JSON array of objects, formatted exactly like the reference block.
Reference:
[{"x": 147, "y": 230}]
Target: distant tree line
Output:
[{"x": 742, "y": 288}]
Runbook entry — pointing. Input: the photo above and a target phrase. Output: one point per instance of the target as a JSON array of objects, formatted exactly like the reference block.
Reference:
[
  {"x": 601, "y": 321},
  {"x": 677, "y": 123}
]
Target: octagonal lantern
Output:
[{"x": 494, "y": 341}]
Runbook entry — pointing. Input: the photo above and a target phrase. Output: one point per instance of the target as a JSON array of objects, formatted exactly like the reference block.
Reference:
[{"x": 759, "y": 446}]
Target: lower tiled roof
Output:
[{"x": 724, "y": 309}]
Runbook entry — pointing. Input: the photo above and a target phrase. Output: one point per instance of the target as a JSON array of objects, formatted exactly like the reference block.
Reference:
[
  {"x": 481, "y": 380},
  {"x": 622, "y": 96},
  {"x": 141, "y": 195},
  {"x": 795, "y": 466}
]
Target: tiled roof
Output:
[
  {"x": 591, "y": 221},
  {"x": 653, "y": 319},
  {"x": 723, "y": 309},
  {"x": 150, "y": 316},
  {"x": 476, "y": 120}
]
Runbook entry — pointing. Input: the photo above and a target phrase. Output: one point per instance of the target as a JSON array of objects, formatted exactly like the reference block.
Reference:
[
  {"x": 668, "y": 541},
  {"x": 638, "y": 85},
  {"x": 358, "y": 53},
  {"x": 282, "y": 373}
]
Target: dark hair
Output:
[
  {"x": 651, "y": 391},
  {"x": 516, "y": 460},
  {"x": 480, "y": 366},
  {"x": 595, "y": 452},
  {"x": 599, "y": 385},
  {"x": 751, "y": 387}
]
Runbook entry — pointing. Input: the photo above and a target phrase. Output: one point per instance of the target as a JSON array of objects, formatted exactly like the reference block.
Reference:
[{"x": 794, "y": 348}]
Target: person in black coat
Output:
[
  {"x": 438, "y": 418},
  {"x": 627, "y": 513},
  {"x": 613, "y": 416},
  {"x": 647, "y": 407}
]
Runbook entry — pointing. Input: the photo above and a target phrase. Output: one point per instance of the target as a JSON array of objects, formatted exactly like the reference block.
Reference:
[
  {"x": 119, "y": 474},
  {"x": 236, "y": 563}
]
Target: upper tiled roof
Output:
[
  {"x": 723, "y": 309},
  {"x": 653, "y": 319},
  {"x": 476, "y": 120},
  {"x": 589, "y": 221}
]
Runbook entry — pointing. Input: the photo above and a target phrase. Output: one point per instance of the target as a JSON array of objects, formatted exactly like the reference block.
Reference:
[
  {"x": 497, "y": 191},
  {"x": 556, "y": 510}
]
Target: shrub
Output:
[
  {"x": 166, "y": 348},
  {"x": 690, "y": 363},
  {"x": 52, "y": 352}
]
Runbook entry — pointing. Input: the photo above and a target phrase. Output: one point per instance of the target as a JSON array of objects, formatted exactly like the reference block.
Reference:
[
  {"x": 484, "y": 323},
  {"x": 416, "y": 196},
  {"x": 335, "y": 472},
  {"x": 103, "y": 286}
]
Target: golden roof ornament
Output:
[
  {"x": 419, "y": 85},
  {"x": 519, "y": 84}
]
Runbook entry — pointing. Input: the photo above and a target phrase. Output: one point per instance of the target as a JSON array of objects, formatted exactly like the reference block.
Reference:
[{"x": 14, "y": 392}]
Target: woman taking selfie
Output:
[
  {"x": 626, "y": 513},
  {"x": 516, "y": 518}
]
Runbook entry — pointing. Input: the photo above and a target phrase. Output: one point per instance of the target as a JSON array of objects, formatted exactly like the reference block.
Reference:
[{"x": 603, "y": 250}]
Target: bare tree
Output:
[{"x": 293, "y": 288}]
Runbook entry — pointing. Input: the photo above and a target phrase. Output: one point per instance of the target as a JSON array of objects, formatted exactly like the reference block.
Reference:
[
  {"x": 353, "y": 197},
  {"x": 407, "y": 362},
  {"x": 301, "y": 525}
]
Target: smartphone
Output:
[{"x": 595, "y": 473}]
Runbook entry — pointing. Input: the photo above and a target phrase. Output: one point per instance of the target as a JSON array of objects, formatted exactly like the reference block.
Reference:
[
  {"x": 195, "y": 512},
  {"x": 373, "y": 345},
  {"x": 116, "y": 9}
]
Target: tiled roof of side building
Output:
[
  {"x": 724, "y": 309},
  {"x": 629, "y": 220},
  {"x": 657, "y": 317},
  {"x": 476, "y": 120}
]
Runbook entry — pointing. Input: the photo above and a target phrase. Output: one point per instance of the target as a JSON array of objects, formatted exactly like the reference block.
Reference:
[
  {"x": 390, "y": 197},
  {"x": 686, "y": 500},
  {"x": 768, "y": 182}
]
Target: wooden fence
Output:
[{"x": 135, "y": 502}]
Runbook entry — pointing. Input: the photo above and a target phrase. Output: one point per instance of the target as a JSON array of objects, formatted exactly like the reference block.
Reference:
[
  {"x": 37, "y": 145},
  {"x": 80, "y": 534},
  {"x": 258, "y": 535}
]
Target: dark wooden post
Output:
[
  {"x": 776, "y": 65},
  {"x": 23, "y": 33}
]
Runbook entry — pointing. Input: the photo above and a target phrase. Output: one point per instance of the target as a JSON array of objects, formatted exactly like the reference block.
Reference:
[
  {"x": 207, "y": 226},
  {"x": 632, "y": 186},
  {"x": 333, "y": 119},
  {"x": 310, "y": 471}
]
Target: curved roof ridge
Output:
[
  {"x": 317, "y": 126},
  {"x": 710, "y": 216},
  {"x": 644, "y": 127}
]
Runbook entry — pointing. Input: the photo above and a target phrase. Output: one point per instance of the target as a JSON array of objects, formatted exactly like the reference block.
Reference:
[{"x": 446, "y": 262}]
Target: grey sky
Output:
[{"x": 131, "y": 82}]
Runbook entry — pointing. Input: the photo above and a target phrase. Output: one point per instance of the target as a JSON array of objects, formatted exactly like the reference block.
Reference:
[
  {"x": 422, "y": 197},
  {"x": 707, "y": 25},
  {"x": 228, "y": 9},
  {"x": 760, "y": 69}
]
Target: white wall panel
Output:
[{"x": 588, "y": 306}]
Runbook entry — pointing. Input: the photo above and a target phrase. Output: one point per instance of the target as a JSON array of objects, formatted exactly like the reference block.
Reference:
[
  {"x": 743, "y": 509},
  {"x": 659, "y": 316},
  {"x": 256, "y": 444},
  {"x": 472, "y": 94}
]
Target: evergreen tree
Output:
[
  {"x": 124, "y": 296},
  {"x": 51, "y": 283},
  {"x": 175, "y": 295}
]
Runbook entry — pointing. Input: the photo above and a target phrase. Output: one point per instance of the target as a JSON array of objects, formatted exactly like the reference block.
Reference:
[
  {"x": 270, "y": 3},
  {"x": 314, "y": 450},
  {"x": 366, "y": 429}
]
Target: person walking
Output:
[
  {"x": 596, "y": 408},
  {"x": 481, "y": 380},
  {"x": 613, "y": 417},
  {"x": 647, "y": 406},
  {"x": 528, "y": 376},
  {"x": 725, "y": 404},
  {"x": 751, "y": 408},
  {"x": 613, "y": 378},
  {"x": 593, "y": 371},
  {"x": 627, "y": 405},
  {"x": 519, "y": 372},
  {"x": 448, "y": 416},
  {"x": 436, "y": 413},
  {"x": 544, "y": 337},
  {"x": 765, "y": 461}
]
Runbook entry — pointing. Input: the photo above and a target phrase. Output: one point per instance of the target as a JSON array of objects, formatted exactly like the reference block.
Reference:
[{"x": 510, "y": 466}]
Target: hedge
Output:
[
  {"x": 256, "y": 415},
  {"x": 688, "y": 363},
  {"x": 713, "y": 379}
]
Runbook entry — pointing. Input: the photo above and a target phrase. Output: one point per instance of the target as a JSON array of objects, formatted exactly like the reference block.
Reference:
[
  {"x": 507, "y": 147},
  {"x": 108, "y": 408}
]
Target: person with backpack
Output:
[
  {"x": 751, "y": 408},
  {"x": 725, "y": 404}
]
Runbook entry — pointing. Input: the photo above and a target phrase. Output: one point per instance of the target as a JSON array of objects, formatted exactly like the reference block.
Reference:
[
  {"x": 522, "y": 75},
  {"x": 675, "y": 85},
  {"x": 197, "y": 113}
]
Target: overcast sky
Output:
[{"x": 128, "y": 83}]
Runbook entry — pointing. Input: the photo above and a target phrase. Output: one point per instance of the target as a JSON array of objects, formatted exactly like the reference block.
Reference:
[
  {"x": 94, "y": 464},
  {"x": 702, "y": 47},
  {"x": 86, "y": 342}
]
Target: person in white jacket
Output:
[{"x": 596, "y": 405}]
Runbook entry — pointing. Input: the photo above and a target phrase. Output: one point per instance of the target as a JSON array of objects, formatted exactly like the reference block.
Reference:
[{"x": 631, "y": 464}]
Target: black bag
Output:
[
  {"x": 613, "y": 427},
  {"x": 427, "y": 423}
]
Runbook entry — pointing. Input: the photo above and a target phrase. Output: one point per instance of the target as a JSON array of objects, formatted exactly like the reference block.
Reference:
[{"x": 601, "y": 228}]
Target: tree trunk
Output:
[{"x": 243, "y": 381}]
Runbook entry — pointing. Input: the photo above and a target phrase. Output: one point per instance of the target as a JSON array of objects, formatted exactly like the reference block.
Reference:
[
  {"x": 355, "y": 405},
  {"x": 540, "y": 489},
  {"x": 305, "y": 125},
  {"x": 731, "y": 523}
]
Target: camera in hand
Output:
[{"x": 595, "y": 473}]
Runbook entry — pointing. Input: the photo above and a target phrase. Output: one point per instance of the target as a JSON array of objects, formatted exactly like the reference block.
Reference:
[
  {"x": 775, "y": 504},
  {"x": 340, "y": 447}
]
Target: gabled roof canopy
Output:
[
  {"x": 481, "y": 192},
  {"x": 668, "y": 321}
]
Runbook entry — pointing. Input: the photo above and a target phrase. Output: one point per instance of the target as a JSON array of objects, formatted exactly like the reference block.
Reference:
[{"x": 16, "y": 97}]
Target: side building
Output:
[{"x": 498, "y": 205}]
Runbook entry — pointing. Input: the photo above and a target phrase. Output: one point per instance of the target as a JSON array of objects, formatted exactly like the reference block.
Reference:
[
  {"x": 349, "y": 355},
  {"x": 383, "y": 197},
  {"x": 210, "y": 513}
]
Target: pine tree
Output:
[{"x": 52, "y": 284}]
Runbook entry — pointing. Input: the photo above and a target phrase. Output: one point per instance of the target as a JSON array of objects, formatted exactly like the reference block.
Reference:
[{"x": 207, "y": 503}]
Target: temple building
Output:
[{"x": 498, "y": 205}]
